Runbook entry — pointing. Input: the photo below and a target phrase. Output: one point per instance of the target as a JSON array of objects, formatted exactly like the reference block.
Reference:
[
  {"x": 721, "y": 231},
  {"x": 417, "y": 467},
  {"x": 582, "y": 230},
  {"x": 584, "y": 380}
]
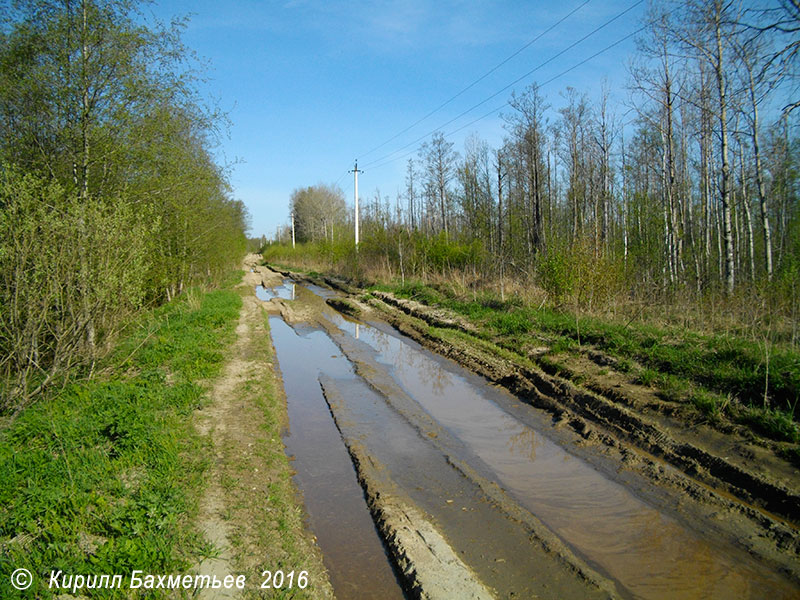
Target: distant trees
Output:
[
  {"x": 439, "y": 164},
  {"x": 110, "y": 198},
  {"x": 696, "y": 193},
  {"x": 319, "y": 211},
  {"x": 528, "y": 127}
]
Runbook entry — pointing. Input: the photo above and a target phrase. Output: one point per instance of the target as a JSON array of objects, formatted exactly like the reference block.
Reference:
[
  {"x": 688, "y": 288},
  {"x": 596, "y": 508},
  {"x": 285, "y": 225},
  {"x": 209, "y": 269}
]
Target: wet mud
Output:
[
  {"x": 352, "y": 549},
  {"x": 529, "y": 507}
]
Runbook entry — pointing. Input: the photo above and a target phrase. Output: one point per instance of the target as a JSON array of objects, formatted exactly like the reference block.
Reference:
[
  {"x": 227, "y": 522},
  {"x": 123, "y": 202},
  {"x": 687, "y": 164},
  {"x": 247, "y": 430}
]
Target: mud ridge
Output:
[
  {"x": 429, "y": 566},
  {"x": 371, "y": 372},
  {"x": 332, "y": 282},
  {"x": 431, "y": 316}
]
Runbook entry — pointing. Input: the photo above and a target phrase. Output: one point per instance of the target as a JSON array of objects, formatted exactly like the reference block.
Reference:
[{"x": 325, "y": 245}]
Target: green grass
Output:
[{"x": 104, "y": 476}]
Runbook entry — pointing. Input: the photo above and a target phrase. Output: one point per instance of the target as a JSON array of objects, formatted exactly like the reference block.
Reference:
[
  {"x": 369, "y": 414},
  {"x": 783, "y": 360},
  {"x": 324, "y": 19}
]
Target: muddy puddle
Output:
[
  {"x": 644, "y": 552},
  {"x": 338, "y": 517},
  {"x": 648, "y": 554},
  {"x": 286, "y": 291}
]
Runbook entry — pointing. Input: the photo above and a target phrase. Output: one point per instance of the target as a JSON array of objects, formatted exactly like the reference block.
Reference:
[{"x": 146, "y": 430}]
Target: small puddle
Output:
[
  {"x": 286, "y": 290},
  {"x": 338, "y": 516},
  {"x": 648, "y": 553}
]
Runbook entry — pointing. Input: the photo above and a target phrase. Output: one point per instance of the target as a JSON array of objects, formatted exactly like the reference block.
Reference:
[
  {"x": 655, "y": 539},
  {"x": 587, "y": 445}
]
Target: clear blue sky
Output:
[{"x": 311, "y": 85}]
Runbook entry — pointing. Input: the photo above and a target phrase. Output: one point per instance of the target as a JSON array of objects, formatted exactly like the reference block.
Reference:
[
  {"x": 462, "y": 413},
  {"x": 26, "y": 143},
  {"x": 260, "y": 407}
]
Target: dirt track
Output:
[
  {"x": 679, "y": 470},
  {"x": 745, "y": 480}
]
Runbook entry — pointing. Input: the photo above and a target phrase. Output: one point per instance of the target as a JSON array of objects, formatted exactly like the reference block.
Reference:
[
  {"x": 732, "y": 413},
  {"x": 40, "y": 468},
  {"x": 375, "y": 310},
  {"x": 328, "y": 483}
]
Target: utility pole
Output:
[
  {"x": 292, "y": 230},
  {"x": 355, "y": 172}
]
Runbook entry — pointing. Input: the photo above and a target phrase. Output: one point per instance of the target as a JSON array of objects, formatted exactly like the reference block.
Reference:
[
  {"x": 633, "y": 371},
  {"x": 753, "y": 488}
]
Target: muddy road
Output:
[{"x": 421, "y": 478}]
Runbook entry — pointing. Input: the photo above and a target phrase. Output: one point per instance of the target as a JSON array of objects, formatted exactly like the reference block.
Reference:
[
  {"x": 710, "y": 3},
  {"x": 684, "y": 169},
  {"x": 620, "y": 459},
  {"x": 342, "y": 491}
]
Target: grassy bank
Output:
[{"x": 104, "y": 477}]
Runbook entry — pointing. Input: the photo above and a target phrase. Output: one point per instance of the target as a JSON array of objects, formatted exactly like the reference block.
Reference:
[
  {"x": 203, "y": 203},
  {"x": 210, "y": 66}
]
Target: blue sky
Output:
[{"x": 311, "y": 85}]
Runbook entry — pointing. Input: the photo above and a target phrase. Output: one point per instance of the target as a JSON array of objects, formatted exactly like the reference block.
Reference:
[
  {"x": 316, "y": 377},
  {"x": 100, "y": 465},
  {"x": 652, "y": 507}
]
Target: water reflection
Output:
[
  {"x": 286, "y": 291},
  {"x": 334, "y": 501},
  {"x": 524, "y": 444}
]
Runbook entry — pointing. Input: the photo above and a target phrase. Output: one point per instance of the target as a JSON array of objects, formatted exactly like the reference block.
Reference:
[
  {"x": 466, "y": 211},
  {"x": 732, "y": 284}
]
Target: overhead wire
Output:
[
  {"x": 478, "y": 80},
  {"x": 513, "y": 83},
  {"x": 572, "y": 68},
  {"x": 507, "y": 103},
  {"x": 340, "y": 178}
]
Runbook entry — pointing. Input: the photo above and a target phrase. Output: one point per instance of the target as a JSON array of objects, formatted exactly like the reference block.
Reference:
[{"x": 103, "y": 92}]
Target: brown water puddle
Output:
[
  {"x": 337, "y": 514},
  {"x": 649, "y": 554},
  {"x": 500, "y": 550}
]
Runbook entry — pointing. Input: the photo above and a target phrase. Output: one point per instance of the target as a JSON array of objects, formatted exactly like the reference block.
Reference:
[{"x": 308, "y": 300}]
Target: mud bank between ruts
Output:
[
  {"x": 751, "y": 506},
  {"x": 543, "y": 565},
  {"x": 430, "y": 567}
]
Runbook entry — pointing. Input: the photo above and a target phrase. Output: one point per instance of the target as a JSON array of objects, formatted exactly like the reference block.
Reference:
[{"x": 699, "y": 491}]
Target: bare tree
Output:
[
  {"x": 758, "y": 82},
  {"x": 440, "y": 162},
  {"x": 528, "y": 125},
  {"x": 605, "y": 131},
  {"x": 575, "y": 119},
  {"x": 707, "y": 27},
  {"x": 779, "y": 23},
  {"x": 411, "y": 194}
]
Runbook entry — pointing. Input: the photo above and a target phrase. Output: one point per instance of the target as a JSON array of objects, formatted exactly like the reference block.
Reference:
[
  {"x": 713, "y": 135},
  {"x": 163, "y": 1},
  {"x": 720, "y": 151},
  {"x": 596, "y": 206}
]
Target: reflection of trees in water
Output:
[
  {"x": 410, "y": 360},
  {"x": 523, "y": 443}
]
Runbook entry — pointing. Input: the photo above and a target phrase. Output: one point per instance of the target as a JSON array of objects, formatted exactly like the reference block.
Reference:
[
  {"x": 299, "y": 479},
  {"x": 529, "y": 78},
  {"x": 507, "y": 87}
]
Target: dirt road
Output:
[
  {"x": 516, "y": 498},
  {"x": 249, "y": 510}
]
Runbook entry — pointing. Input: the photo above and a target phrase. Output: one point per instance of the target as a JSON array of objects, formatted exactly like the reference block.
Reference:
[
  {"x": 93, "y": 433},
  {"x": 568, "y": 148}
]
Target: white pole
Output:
[
  {"x": 355, "y": 171},
  {"x": 293, "y": 230}
]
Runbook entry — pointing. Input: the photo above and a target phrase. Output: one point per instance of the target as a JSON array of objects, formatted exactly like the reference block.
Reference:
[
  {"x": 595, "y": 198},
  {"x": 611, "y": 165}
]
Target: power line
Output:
[
  {"x": 342, "y": 176},
  {"x": 572, "y": 68},
  {"x": 481, "y": 78},
  {"x": 493, "y": 111},
  {"x": 500, "y": 91}
]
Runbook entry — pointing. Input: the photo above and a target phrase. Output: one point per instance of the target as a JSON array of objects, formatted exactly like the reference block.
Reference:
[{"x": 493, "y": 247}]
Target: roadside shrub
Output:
[
  {"x": 72, "y": 272},
  {"x": 579, "y": 275}
]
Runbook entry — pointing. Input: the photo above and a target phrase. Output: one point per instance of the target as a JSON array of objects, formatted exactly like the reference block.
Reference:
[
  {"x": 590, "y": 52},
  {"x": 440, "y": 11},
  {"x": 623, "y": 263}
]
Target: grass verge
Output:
[
  {"x": 264, "y": 513},
  {"x": 104, "y": 477}
]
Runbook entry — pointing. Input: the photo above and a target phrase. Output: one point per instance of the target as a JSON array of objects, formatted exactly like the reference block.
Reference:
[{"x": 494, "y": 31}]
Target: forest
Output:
[
  {"x": 111, "y": 198},
  {"x": 681, "y": 199}
]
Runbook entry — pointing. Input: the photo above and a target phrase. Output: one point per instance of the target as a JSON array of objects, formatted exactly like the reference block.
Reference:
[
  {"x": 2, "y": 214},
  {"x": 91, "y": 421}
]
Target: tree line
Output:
[
  {"x": 689, "y": 186},
  {"x": 110, "y": 196}
]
